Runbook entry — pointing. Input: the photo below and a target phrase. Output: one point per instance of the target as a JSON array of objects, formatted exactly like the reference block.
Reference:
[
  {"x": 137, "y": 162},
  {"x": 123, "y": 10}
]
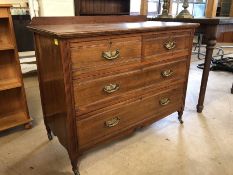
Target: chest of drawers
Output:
[{"x": 103, "y": 77}]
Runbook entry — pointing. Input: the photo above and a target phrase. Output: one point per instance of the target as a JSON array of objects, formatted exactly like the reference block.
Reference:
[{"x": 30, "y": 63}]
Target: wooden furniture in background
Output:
[
  {"x": 102, "y": 7},
  {"x": 211, "y": 28},
  {"x": 225, "y": 8},
  {"x": 144, "y": 7},
  {"x": 231, "y": 11},
  {"x": 99, "y": 82},
  {"x": 13, "y": 106},
  {"x": 24, "y": 38},
  {"x": 211, "y": 8}
]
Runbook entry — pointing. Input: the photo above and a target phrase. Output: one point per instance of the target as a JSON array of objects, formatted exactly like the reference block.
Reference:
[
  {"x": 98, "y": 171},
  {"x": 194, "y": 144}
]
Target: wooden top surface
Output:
[
  {"x": 96, "y": 29},
  {"x": 213, "y": 21}
]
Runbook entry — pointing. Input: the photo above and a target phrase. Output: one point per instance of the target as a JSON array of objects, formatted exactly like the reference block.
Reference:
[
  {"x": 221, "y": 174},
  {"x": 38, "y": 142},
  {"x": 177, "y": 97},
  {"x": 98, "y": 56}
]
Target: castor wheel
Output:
[
  {"x": 28, "y": 125},
  {"x": 76, "y": 172},
  {"x": 180, "y": 120},
  {"x": 180, "y": 114},
  {"x": 50, "y": 136}
]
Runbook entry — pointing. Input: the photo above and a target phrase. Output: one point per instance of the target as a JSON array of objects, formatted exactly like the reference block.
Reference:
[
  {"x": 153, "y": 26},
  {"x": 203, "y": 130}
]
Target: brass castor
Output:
[
  {"x": 180, "y": 120},
  {"x": 180, "y": 114},
  {"x": 76, "y": 172},
  {"x": 28, "y": 125}
]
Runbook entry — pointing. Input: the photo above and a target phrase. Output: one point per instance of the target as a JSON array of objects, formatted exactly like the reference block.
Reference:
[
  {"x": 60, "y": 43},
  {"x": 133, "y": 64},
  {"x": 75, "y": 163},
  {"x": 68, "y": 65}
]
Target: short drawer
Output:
[
  {"x": 161, "y": 46},
  {"x": 165, "y": 73},
  {"x": 105, "y": 53},
  {"x": 104, "y": 125},
  {"x": 101, "y": 89}
]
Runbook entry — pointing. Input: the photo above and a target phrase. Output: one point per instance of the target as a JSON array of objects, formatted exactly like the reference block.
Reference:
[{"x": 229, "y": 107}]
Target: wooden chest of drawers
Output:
[{"x": 100, "y": 81}]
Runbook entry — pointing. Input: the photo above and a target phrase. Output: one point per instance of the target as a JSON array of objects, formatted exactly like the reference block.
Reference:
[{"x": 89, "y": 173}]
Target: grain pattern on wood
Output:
[
  {"x": 123, "y": 117},
  {"x": 102, "y": 7},
  {"x": 78, "y": 30},
  {"x": 101, "y": 81},
  {"x": 13, "y": 105},
  {"x": 213, "y": 29},
  {"x": 160, "y": 46},
  {"x": 211, "y": 8},
  {"x": 105, "y": 52},
  {"x": 86, "y": 20}
]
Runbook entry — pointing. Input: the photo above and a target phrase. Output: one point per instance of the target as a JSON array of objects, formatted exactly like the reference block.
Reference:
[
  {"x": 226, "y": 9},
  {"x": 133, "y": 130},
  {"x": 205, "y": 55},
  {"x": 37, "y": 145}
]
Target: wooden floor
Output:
[{"x": 202, "y": 146}]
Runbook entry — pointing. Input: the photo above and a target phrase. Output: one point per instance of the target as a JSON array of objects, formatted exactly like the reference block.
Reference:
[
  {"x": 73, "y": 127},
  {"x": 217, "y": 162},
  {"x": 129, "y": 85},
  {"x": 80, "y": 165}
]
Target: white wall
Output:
[
  {"x": 19, "y": 3},
  {"x": 56, "y": 7}
]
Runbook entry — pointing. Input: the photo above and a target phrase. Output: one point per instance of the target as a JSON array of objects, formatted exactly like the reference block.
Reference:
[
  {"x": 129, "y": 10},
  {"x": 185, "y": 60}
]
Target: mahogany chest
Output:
[{"x": 103, "y": 77}]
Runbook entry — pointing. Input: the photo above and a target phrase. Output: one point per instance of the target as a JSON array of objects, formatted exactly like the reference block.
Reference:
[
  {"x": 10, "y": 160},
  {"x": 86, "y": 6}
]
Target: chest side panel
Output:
[{"x": 52, "y": 88}]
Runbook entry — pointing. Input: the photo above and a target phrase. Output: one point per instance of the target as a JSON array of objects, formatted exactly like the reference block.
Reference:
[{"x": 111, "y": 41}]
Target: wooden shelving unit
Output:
[
  {"x": 102, "y": 7},
  {"x": 13, "y": 105}
]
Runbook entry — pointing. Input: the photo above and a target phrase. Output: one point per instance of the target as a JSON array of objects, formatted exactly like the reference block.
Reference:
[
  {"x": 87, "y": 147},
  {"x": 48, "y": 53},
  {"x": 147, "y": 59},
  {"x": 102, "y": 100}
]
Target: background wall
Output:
[
  {"x": 56, "y": 7},
  {"x": 21, "y": 3}
]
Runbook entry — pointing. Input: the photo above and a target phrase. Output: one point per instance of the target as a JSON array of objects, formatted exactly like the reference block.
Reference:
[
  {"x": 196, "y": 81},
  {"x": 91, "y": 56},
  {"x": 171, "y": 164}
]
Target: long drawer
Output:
[
  {"x": 89, "y": 92},
  {"x": 106, "y": 124},
  {"x": 164, "y": 45},
  {"x": 100, "y": 54},
  {"x": 112, "y": 88}
]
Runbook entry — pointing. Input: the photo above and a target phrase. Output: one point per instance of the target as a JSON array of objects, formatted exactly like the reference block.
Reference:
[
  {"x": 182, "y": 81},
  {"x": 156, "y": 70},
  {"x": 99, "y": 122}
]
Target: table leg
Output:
[
  {"x": 209, "y": 52},
  {"x": 232, "y": 89}
]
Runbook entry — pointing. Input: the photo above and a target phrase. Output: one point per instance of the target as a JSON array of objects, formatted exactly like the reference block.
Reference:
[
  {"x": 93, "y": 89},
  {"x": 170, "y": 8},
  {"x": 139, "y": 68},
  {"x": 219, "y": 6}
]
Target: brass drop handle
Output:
[
  {"x": 112, "y": 122},
  {"x": 169, "y": 45},
  {"x": 111, "y": 55},
  {"x": 164, "y": 101},
  {"x": 111, "y": 88},
  {"x": 167, "y": 73}
]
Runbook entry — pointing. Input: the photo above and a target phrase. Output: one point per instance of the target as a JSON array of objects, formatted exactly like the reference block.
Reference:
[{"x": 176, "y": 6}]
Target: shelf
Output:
[
  {"x": 9, "y": 84},
  {"x": 12, "y": 120},
  {"x": 6, "y": 47}
]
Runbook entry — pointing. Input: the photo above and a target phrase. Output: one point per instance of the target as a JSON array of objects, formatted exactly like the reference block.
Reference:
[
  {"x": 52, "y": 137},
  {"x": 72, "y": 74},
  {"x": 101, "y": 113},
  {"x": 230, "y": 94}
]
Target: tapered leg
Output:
[
  {"x": 209, "y": 52},
  {"x": 49, "y": 132},
  {"x": 180, "y": 114}
]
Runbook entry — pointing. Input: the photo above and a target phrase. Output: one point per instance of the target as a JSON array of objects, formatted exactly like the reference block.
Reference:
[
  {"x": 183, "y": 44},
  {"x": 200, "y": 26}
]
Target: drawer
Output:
[
  {"x": 165, "y": 73},
  {"x": 161, "y": 46},
  {"x": 108, "y": 123},
  {"x": 4, "y": 12},
  {"x": 105, "y": 53},
  {"x": 101, "y": 89}
]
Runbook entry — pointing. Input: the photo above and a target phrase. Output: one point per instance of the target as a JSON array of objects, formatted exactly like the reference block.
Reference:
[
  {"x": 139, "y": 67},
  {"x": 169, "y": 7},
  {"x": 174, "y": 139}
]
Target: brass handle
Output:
[
  {"x": 167, "y": 73},
  {"x": 111, "y": 55},
  {"x": 111, "y": 88},
  {"x": 112, "y": 122},
  {"x": 169, "y": 45},
  {"x": 164, "y": 101}
]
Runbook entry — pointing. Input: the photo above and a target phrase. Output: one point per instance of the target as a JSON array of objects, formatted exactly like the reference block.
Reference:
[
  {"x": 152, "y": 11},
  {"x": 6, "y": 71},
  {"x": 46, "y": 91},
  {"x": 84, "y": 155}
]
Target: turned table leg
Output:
[{"x": 209, "y": 52}]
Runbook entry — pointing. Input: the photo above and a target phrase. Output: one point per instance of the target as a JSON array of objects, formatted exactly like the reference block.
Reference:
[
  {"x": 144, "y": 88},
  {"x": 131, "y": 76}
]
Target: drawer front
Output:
[
  {"x": 101, "y": 89},
  {"x": 161, "y": 46},
  {"x": 107, "y": 124},
  {"x": 165, "y": 73},
  {"x": 102, "y": 92},
  {"x": 102, "y": 54},
  {"x": 4, "y": 12}
]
